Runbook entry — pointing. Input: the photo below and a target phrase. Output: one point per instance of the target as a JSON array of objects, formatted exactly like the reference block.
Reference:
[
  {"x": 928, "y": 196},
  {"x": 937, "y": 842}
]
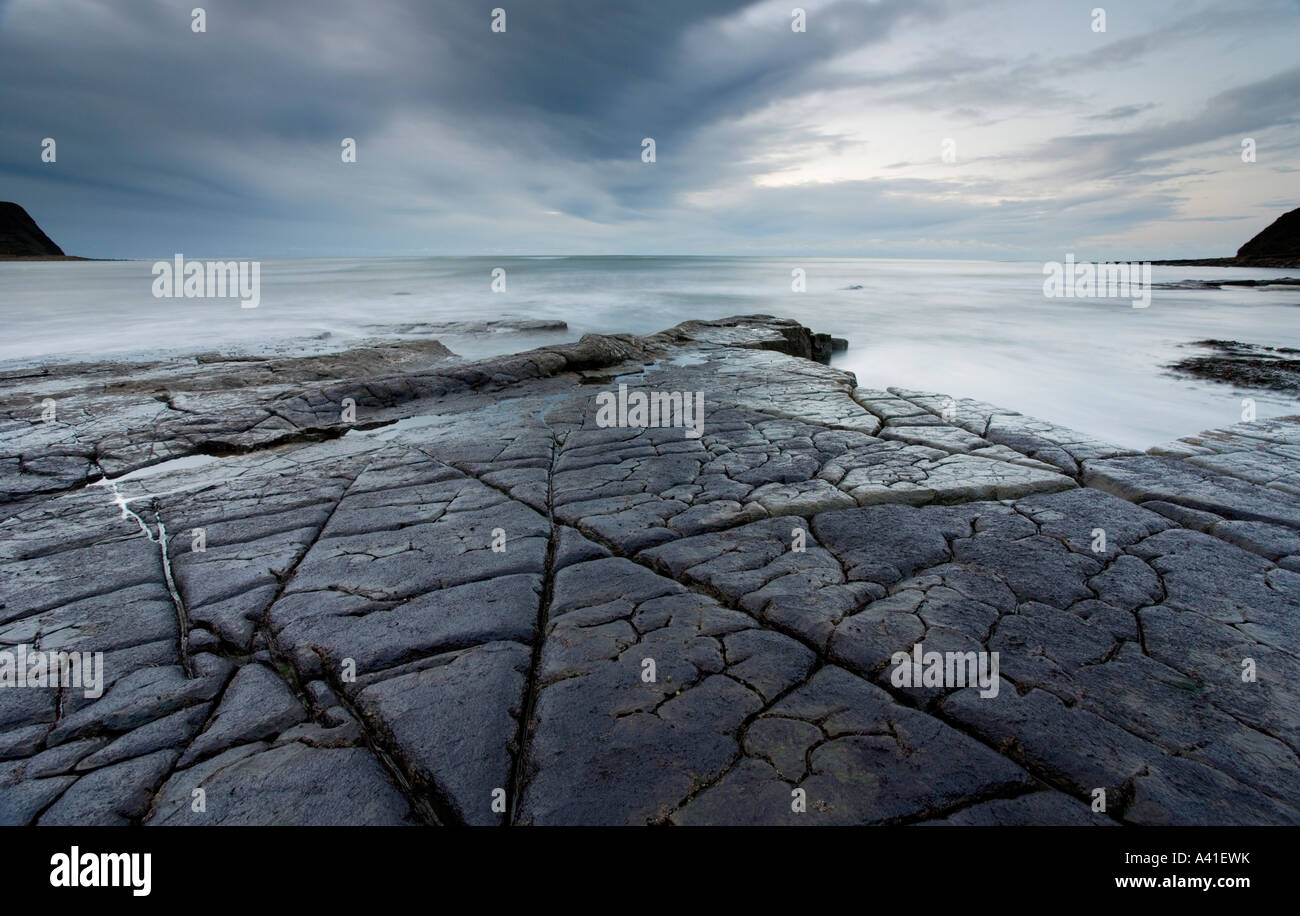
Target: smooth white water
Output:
[{"x": 969, "y": 328}]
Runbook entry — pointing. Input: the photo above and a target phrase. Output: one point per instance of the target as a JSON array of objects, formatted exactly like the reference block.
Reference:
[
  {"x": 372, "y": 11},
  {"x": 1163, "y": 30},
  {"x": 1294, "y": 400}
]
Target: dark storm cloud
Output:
[
  {"x": 594, "y": 74},
  {"x": 149, "y": 115}
]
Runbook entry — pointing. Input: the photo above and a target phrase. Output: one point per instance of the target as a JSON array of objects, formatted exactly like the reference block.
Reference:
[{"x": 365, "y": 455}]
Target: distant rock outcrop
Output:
[
  {"x": 1276, "y": 246},
  {"x": 20, "y": 237},
  {"x": 1280, "y": 240}
]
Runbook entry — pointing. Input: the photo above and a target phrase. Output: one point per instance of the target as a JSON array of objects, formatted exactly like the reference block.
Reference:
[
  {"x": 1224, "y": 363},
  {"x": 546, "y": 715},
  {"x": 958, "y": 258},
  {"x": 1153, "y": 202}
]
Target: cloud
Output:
[
  {"x": 1121, "y": 112},
  {"x": 228, "y": 142},
  {"x": 1228, "y": 116}
]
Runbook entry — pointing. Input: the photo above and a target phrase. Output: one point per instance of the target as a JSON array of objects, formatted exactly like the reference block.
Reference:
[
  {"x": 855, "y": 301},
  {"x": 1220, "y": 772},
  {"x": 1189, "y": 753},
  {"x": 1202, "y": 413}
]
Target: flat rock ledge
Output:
[{"x": 451, "y": 594}]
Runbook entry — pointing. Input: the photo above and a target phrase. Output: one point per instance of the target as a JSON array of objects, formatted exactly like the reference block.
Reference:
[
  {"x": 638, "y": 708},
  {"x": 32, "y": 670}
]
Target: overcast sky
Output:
[{"x": 1123, "y": 143}]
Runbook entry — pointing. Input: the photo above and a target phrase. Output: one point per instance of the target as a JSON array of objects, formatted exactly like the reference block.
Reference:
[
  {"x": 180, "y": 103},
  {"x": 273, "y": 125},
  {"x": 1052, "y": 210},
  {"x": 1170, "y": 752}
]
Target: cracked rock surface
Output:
[{"x": 341, "y": 593}]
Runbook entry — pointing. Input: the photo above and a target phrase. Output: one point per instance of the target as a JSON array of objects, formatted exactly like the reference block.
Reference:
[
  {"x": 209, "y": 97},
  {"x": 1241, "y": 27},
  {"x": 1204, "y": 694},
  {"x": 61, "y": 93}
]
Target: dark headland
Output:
[
  {"x": 22, "y": 240},
  {"x": 1277, "y": 246}
]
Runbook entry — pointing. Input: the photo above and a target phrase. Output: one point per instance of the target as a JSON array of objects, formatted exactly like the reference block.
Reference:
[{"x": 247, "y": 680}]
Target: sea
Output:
[{"x": 977, "y": 329}]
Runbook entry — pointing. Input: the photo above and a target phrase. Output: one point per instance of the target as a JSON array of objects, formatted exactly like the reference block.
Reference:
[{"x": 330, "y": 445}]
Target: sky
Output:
[{"x": 887, "y": 128}]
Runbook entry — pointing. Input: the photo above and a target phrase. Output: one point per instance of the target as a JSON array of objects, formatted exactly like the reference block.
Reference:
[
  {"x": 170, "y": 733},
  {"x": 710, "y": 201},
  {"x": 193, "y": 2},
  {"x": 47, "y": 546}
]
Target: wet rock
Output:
[
  {"x": 257, "y": 704},
  {"x": 114, "y": 796},
  {"x": 487, "y": 607},
  {"x": 454, "y": 723},
  {"x": 292, "y": 785}
]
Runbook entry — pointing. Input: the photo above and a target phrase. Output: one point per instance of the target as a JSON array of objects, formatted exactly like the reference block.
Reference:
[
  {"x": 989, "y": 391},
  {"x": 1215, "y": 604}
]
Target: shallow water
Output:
[{"x": 976, "y": 329}]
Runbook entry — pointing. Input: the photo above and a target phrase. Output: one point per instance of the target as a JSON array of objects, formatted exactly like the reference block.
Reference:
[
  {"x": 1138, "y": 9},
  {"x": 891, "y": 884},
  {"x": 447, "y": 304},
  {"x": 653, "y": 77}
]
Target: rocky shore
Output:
[
  {"x": 1249, "y": 365},
  {"x": 386, "y": 587}
]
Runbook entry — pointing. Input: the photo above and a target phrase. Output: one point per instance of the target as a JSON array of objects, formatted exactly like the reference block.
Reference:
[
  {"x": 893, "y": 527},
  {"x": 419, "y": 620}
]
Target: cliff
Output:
[
  {"x": 20, "y": 237},
  {"x": 1280, "y": 240},
  {"x": 1277, "y": 246}
]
